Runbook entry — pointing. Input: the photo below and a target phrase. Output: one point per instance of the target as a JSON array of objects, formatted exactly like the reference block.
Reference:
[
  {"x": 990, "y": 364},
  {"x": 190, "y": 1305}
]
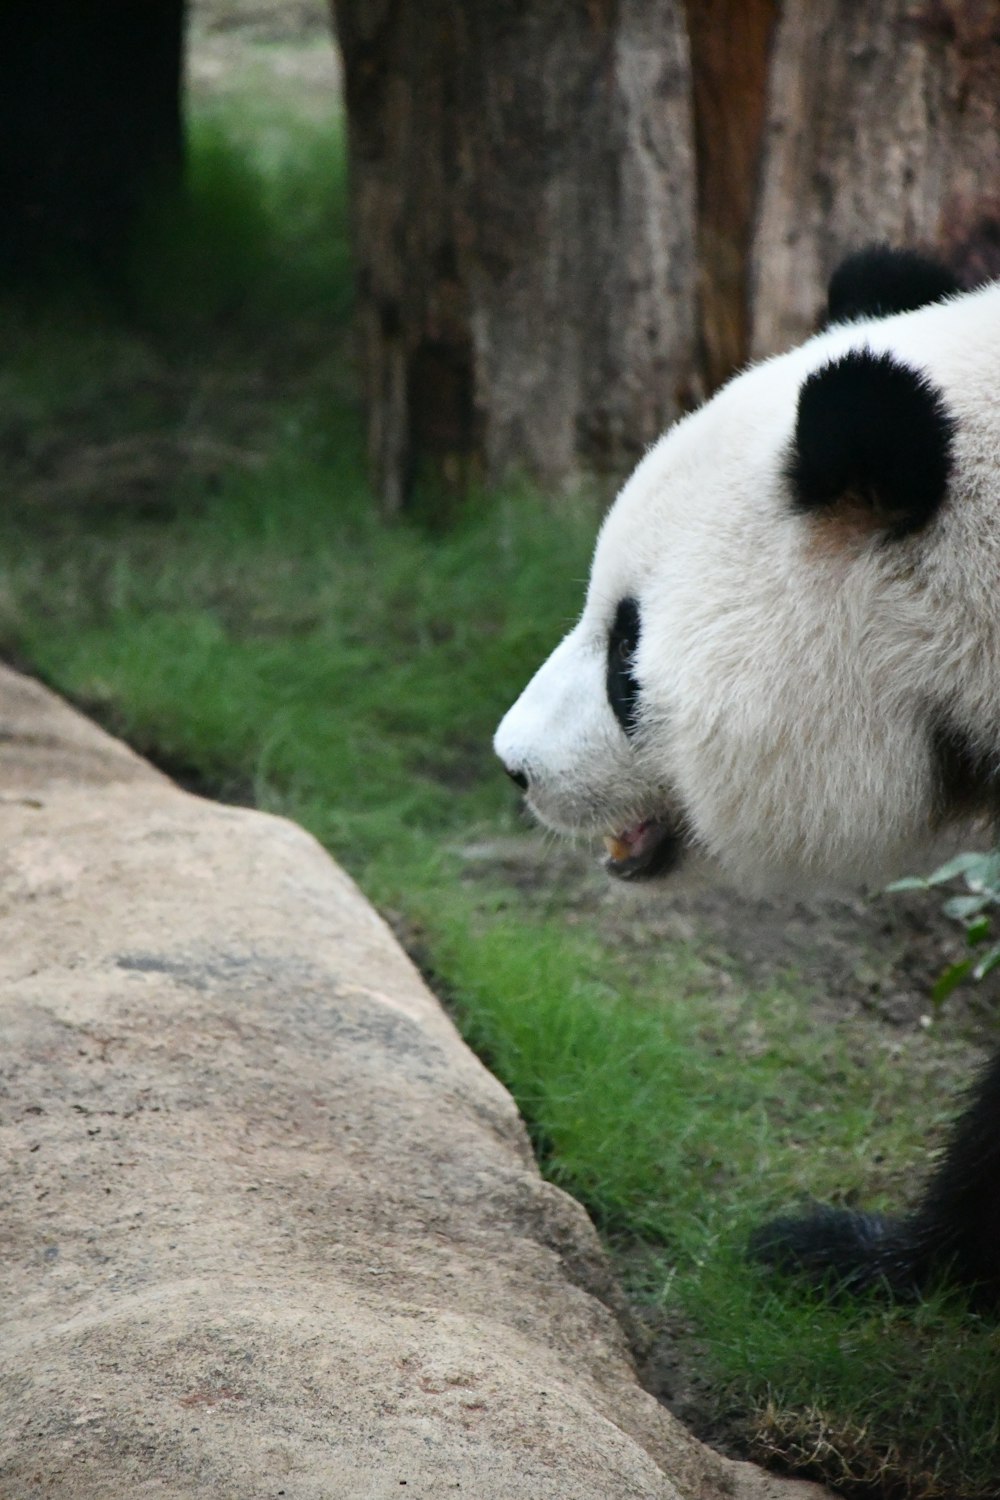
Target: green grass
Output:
[
  {"x": 353, "y": 670},
  {"x": 247, "y": 619},
  {"x": 874, "y": 1400},
  {"x": 251, "y": 239}
]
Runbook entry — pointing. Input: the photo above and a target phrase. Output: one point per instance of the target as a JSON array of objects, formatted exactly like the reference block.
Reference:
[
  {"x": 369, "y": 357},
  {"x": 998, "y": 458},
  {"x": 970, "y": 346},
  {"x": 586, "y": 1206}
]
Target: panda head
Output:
[{"x": 789, "y": 655}]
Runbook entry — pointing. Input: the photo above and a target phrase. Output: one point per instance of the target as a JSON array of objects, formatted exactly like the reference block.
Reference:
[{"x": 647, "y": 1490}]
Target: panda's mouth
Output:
[{"x": 652, "y": 847}]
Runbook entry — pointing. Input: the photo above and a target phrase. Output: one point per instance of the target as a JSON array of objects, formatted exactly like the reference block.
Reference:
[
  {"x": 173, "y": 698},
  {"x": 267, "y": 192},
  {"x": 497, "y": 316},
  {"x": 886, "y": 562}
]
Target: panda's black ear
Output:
[
  {"x": 872, "y": 435},
  {"x": 877, "y": 282}
]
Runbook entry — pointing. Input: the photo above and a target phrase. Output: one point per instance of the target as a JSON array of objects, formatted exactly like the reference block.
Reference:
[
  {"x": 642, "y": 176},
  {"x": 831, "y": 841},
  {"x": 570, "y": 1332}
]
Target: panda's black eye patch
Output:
[{"x": 622, "y": 683}]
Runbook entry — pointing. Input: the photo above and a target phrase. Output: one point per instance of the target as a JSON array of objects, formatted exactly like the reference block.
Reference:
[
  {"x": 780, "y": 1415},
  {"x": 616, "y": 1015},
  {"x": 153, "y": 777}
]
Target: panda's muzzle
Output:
[{"x": 652, "y": 847}]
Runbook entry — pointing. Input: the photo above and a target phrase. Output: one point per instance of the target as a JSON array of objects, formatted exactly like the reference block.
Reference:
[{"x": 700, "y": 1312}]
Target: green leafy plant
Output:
[{"x": 975, "y": 908}]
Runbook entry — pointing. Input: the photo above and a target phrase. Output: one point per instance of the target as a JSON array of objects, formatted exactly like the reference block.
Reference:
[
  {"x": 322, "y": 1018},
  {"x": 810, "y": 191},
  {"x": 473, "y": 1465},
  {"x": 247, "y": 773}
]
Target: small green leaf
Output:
[
  {"x": 978, "y": 931},
  {"x": 955, "y": 867},
  {"x": 987, "y": 877},
  {"x": 961, "y": 907},
  {"x": 950, "y": 980},
  {"x": 909, "y": 883},
  {"x": 987, "y": 963}
]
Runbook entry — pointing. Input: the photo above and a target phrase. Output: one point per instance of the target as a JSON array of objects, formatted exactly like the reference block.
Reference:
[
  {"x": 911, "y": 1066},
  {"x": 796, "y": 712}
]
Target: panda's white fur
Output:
[{"x": 791, "y": 666}]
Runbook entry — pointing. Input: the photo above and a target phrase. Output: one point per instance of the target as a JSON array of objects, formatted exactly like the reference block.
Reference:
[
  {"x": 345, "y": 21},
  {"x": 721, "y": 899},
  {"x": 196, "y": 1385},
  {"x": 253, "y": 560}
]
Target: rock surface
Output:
[{"x": 269, "y": 1228}]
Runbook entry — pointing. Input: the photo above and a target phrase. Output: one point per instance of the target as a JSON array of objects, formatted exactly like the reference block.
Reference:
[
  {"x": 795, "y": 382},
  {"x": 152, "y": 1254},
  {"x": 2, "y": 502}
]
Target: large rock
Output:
[{"x": 269, "y": 1227}]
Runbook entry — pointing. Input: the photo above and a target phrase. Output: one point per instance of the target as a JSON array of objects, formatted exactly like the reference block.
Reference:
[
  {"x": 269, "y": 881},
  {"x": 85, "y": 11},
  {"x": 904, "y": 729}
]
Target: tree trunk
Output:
[
  {"x": 883, "y": 125},
  {"x": 730, "y": 55},
  {"x": 528, "y": 247},
  {"x": 90, "y": 121},
  {"x": 523, "y": 206}
]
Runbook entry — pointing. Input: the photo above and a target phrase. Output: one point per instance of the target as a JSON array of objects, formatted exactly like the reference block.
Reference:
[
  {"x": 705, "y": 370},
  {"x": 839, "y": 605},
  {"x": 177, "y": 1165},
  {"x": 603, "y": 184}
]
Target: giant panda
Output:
[{"x": 789, "y": 661}]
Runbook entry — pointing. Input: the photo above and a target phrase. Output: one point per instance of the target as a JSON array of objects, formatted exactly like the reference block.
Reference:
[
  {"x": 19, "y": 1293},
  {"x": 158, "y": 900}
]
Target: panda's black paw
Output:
[{"x": 842, "y": 1252}]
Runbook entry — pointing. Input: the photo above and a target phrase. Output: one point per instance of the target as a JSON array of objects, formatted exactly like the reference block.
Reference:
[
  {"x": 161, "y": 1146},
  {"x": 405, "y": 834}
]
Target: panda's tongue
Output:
[
  {"x": 630, "y": 843},
  {"x": 647, "y": 848}
]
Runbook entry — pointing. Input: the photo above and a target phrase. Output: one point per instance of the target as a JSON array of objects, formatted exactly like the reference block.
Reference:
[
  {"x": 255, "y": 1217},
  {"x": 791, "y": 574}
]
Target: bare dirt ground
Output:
[{"x": 871, "y": 955}]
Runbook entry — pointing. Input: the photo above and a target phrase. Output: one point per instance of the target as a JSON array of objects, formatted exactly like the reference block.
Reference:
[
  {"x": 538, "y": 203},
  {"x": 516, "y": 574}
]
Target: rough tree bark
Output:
[
  {"x": 523, "y": 206},
  {"x": 730, "y": 54},
  {"x": 537, "y": 287},
  {"x": 90, "y": 121},
  {"x": 883, "y": 124}
]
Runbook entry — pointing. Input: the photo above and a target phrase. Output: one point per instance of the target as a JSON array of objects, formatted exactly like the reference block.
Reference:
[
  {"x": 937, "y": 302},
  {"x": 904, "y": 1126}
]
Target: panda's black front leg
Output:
[{"x": 953, "y": 1234}]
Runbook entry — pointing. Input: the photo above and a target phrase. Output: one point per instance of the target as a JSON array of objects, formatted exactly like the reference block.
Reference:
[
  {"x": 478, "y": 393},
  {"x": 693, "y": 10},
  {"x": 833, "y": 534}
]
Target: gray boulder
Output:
[{"x": 270, "y": 1229}]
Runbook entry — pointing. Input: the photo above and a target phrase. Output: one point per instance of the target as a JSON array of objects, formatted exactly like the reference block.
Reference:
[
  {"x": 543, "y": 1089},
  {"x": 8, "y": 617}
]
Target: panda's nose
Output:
[{"x": 517, "y": 777}]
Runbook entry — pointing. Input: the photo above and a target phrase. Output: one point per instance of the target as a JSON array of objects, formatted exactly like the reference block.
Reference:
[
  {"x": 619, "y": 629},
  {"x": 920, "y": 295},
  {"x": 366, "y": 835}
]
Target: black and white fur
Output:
[{"x": 789, "y": 660}]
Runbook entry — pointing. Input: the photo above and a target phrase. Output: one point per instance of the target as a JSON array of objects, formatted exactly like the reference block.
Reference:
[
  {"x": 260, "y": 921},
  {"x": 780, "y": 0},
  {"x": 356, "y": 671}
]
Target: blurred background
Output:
[{"x": 570, "y": 221}]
